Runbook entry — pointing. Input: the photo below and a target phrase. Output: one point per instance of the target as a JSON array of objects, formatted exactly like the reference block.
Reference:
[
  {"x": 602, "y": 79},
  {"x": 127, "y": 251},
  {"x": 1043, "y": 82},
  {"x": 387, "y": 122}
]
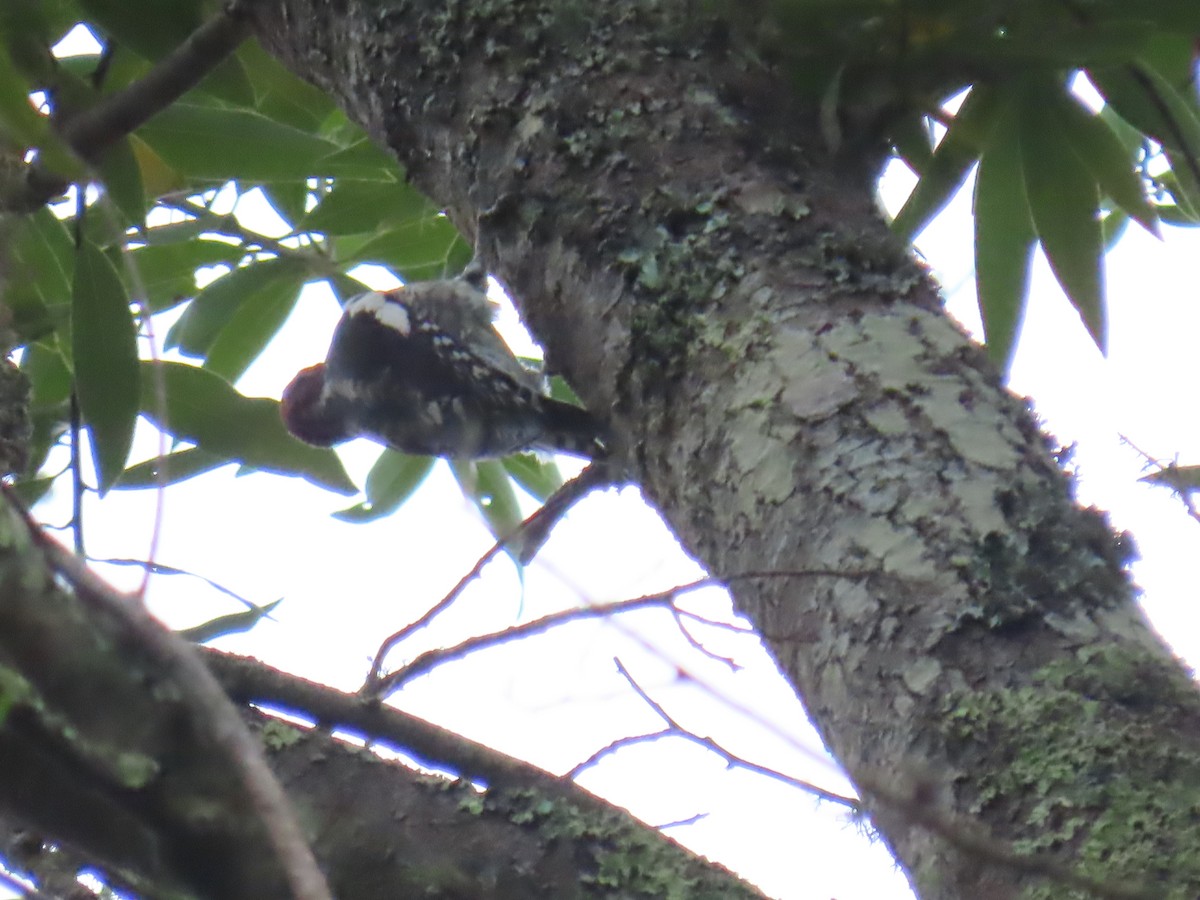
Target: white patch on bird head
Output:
[
  {"x": 387, "y": 310},
  {"x": 342, "y": 390}
]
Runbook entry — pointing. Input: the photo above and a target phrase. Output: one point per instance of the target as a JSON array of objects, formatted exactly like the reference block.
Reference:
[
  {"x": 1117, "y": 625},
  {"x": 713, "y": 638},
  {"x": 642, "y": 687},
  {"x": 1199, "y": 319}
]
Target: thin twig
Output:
[
  {"x": 683, "y": 615},
  {"x": 433, "y": 658},
  {"x": 535, "y": 525},
  {"x": 1167, "y": 474},
  {"x": 370, "y": 688},
  {"x": 732, "y": 759}
]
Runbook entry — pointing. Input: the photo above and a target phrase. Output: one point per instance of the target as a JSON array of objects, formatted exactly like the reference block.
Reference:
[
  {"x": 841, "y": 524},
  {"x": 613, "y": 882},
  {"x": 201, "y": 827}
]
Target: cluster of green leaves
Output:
[
  {"x": 83, "y": 284},
  {"x": 1050, "y": 170}
]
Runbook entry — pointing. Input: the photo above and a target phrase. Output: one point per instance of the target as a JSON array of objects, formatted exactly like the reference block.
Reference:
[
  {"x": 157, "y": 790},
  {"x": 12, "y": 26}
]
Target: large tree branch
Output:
[
  {"x": 104, "y": 750},
  {"x": 116, "y": 738}
]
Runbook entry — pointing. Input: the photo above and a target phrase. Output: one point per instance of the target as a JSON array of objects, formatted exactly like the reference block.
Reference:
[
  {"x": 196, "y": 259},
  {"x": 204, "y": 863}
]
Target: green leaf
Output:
[
  {"x": 170, "y": 469},
  {"x": 913, "y": 141},
  {"x": 1067, "y": 44},
  {"x": 1152, "y": 104},
  {"x": 540, "y": 478},
  {"x": 281, "y": 95},
  {"x": 104, "y": 341},
  {"x": 207, "y": 316},
  {"x": 181, "y": 232},
  {"x": 167, "y": 272},
  {"x": 356, "y": 207},
  {"x": 48, "y": 374},
  {"x": 1182, "y": 214},
  {"x": 1174, "y": 15},
  {"x": 222, "y": 144},
  {"x": 1130, "y": 138},
  {"x": 1183, "y": 181},
  {"x": 1172, "y": 56},
  {"x": 119, "y": 69},
  {"x": 25, "y": 36},
  {"x": 1183, "y": 479},
  {"x": 203, "y": 408},
  {"x": 486, "y": 483},
  {"x": 1104, "y": 156},
  {"x": 122, "y": 179},
  {"x": 38, "y": 289},
  {"x": 234, "y": 623},
  {"x": 390, "y": 482},
  {"x": 251, "y": 328},
  {"x": 951, "y": 162},
  {"x": 1064, "y": 202},
  {"x": 345, "y": 287},
  {"x": 418, "y": 251},
  {"x": 1113, "y": 226},
  {"x": 559, "y": 389},
  {"x": 49, "y": 425},
  {"x": 22, "y": 124},
  {"x": 362, "y": 159},
  {"x": 288, "y": 198},
  {"x": 1004, "y": 240},
  {"x": 50, "y": 390},
  {"x": 31, "y": 490}
]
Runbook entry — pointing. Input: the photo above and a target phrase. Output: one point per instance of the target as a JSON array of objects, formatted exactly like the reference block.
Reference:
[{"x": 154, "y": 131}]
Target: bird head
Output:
[{"x": 308, "y": 413}]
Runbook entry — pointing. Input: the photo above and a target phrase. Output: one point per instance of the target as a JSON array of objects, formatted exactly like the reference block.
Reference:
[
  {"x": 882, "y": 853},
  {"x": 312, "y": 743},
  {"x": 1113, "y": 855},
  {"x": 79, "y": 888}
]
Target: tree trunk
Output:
[{"x": 785, "y": 387}]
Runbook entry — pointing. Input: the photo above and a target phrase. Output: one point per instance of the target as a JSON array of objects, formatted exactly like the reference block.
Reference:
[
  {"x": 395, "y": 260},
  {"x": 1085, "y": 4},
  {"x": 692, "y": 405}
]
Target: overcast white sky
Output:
[{"x": 556, "y": 699}]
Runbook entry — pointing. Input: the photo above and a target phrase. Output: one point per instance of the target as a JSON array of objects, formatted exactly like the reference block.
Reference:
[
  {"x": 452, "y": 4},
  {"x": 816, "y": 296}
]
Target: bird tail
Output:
[{"x": 572, "y": 429}]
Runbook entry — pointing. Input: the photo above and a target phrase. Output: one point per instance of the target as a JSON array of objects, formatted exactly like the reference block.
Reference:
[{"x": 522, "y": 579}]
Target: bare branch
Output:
[
  {"x": 529, "y": 534},
  {"x": 432, "y": 658},
  {"x": 674, "y": 729},
  {"x": 94, "y": 129}
]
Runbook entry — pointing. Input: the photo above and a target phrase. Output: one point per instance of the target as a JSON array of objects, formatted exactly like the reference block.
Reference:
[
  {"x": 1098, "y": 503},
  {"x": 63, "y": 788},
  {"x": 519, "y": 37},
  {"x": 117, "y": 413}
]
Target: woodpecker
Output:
[{"x": 422, "y": 370}]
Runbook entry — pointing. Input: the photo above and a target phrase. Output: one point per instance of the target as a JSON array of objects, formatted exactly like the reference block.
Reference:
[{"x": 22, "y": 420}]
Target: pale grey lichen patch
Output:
[
  {"x": 855, "y": 602},
  {"x": 985, "y": 441},
  {"x": 135, "y": 770},
  {"x": 530, "y": 126},
  {"x": 888, "y": 420},
  {"x": 795, "y": 353},
  {"x": 1077, "y": 627},
  {"x": 764, "y": 458},
  {"x": 909, "y": 558},
  {"x": 813, "y": 389},
  {"x": 919, "y": 676},
  {"x": 884, "y": 541},
  {"x": 977, "y": 505},
  {"x": 882, "y": 345}
]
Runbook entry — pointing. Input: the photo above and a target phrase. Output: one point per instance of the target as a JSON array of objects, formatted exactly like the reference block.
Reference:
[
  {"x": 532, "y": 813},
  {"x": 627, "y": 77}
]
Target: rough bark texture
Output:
[{"x": 786, "y": 389}]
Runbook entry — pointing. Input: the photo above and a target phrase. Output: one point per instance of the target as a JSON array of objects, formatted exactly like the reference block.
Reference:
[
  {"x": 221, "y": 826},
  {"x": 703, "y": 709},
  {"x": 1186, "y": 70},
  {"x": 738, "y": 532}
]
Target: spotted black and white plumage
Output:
[{"x": 422, "y": 370}]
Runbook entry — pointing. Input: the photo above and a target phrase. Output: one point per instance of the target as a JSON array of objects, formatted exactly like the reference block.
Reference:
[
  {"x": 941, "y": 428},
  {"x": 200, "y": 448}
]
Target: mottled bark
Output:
[{"x": 785, "y": 387}]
